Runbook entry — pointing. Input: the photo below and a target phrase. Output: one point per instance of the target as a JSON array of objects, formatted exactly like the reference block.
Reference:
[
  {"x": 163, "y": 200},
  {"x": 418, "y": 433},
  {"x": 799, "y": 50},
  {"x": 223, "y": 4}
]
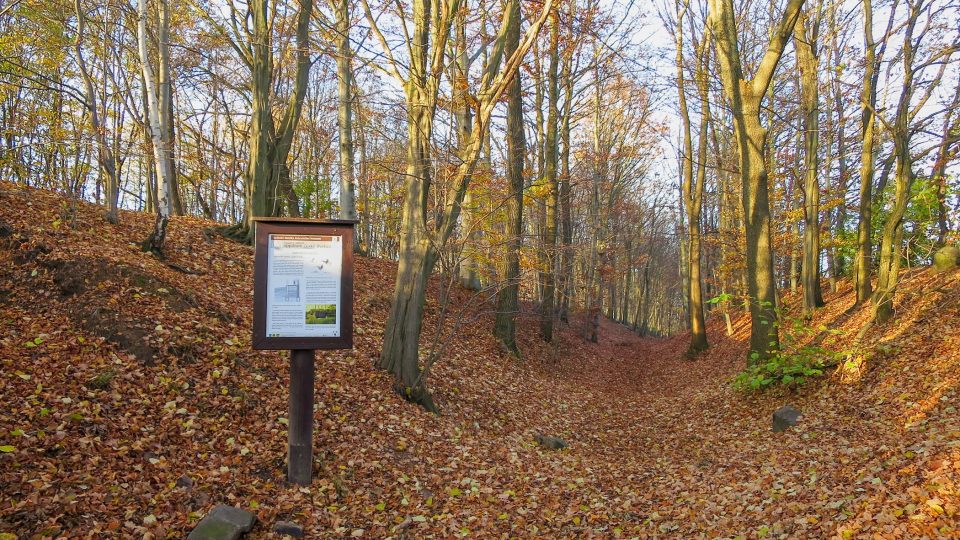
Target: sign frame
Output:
[{"x": 263, "y": 228}]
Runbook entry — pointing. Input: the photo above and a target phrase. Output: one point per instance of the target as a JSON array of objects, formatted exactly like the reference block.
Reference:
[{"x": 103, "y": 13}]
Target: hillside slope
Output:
[{"x": 133, "y": 404}]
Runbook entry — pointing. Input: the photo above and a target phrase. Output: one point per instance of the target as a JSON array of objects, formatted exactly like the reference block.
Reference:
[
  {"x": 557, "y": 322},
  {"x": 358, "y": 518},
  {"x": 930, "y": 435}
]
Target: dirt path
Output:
[{"x": 859, "y": 465}]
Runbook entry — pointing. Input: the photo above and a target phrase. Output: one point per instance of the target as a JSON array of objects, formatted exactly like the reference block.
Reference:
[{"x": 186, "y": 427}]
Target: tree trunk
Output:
[
  {"x": 949, "y": 138},
  {"x": 693, "y": 195},
  {"x": 270, "y": 144},
  {"x": 508, "y": 303},
  {"x": 261, "y": 184},
  {"x": 419, "y": 246},
  {"x": 105, "y": 156},
  {"x": 593, "y": 277},
  {"x": 400, "y": 355},
  {"x": 417, "y": 255},
  {"x": 888, "y": 274},
  {"x": 745, "y": 98},
  {"x": 175, "y": 201},
  {"x": 348, "y": 206},
  {"x": 761, "y": 287},
  {"x": 862, "y": 264},
  {"x": 158, "y": 133},
  {"x": 805, "y": 44},
  {"x": 548, "y": 278},
  {"x": 467, "y": 266},
  {"x": 566, "y": 215}
]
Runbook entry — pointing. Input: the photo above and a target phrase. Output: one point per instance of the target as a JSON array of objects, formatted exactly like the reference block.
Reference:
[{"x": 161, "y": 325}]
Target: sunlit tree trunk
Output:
[
  {"x": 419, "y": 242},
  {"x": 508, "y": 302},
  {"x": 159, "y": 134},
  {"x": 565, "y": 192},
  {"x": 366, "y": 227},
  {"x": 267, "y": 175},
  {"x": 468, "y": 275},
  {"x": 593, "y": 278},
  {"x": 400, "y": 354},
  {"x": 868, "y": 102},
  {"x": 348, "y": 207},
  {"x": 839, "y": 215},
  {"x": 548, "y": 262},
  {"x": 105, "y": 155},
  {"x": 174, "y": 200},
  {"x": 888, "y": 273},
  {"x": 745, "y": 99},
  {"x": 805, "y": 43},
  {"x": 949, "y": 139},
  {"x": 261, "y": 184},
  {"x": 693, "y": 194}
]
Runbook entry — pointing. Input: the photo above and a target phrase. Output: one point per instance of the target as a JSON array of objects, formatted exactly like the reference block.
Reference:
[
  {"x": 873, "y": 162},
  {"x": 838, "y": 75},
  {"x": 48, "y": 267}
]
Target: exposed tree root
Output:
[
  {"x": 419, "y": 395},
  {"x": 237, "y": 232}
]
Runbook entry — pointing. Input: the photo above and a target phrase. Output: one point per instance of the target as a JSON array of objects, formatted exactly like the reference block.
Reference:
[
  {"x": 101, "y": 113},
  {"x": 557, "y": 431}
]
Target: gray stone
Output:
[
  {"x": 185, "y": 482},
  {"x": 223, "y": 523},
  {"x": 946, "y": 258},
  {"x": 288, "y": 528},
  {"x": 785, "y": 417},
  {"x": 553, "y": 443},
  {"x": 214, "y": 529}
]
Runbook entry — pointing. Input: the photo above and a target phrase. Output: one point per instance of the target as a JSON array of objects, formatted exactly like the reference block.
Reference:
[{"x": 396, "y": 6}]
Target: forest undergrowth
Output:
[{"x": 133, "y": 403}]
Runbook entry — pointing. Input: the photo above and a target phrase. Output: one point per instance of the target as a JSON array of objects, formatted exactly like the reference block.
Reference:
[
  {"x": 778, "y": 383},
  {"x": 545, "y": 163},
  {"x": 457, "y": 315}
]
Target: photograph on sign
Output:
[{"x": 303, "y": 284}]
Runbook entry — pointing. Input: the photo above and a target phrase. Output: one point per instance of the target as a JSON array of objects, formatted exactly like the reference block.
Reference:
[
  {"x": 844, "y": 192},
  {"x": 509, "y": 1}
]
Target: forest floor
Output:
[{"x": 132, "y": 403}]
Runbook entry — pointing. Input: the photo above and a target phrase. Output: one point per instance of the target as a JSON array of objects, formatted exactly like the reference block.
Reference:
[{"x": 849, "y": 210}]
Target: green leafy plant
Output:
[
  {"x": 782, "y": 369},
  {"x": 794, "y": 364},
  {"x": 723, "y": 297}
]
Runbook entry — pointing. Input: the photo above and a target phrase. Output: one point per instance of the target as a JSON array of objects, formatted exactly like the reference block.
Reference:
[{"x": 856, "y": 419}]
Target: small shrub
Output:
[
  {"x": 794, "y": 364},
  {"x": 784, "y": 369}
]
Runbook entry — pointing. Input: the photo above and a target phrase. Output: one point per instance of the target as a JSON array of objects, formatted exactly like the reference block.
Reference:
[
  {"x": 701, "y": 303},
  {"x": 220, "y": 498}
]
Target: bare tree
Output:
[{"x": 692, "y": 188}]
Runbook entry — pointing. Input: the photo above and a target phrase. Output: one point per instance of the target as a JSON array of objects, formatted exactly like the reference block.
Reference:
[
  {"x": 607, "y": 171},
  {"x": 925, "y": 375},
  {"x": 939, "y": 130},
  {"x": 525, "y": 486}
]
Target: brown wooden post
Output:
[
  {"x": 300, "y": 423},
  {"x": 301, "y": 341}
]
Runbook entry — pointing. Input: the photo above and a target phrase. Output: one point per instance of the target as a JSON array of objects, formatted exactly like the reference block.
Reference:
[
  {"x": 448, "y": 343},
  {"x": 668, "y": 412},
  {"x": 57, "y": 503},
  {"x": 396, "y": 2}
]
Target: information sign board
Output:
[{"x": 303, "y": 285}]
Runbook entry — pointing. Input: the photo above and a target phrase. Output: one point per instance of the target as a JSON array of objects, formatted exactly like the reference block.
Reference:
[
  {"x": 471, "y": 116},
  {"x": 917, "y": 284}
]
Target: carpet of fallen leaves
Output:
[{"x": 132, "y": 404}]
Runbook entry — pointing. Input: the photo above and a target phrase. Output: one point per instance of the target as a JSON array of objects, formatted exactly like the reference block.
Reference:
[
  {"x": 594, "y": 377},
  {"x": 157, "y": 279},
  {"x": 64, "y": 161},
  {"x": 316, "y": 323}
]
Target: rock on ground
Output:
[
  {"x": 223, "y": 523},
  {"x": 288, "y": 528},
  {"x": 785, "y": 417},
  {"x": 553, "y": 443}
]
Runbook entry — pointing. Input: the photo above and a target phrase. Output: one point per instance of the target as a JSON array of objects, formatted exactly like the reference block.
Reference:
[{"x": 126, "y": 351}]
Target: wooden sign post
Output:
[{"x": 302, "y": 301}]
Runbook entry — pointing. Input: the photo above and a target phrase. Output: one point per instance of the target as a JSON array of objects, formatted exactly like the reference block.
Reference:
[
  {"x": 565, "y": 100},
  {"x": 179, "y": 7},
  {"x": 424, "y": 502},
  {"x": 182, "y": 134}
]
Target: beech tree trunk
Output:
[
  {"x": 693, "y": 195},
  {"x": 348, "y": 206},
  {"x": 888, "y": 274},
  {"x": 508, "y": 302},
  {"x": 805, "y": 43},
  {"x": 594, "y": 281},
  {"x": 419, "y": 242},
  {"x": 565, "y": 192},
  {"x": 105, "y": 155},
  {"x": 949, "y": 139},
  {"x": 548, "y": 276},
  {"x": 863, "y": 261},
  {"x": 266, "y": 181},
  {"x": 745, "y": 99},
  {"x": 467, "y": 267}
]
